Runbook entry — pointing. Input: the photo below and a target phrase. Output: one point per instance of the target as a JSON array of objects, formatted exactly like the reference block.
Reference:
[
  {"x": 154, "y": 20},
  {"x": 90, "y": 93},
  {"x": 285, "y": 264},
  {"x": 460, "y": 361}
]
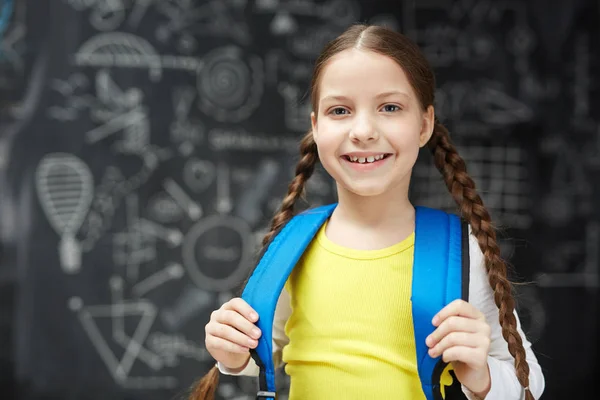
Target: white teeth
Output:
[{"x": 368, "y": 159}]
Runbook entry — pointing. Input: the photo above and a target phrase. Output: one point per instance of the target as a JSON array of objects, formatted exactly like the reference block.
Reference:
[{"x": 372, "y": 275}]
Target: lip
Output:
[
  {"x": 364, "y": 154},
  {"x": 364, "y": 166}
]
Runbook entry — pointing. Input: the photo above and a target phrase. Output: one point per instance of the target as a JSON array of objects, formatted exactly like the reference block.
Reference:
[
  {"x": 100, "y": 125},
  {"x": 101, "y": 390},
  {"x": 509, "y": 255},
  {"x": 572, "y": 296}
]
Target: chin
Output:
[{"x": 365, "y": 190}]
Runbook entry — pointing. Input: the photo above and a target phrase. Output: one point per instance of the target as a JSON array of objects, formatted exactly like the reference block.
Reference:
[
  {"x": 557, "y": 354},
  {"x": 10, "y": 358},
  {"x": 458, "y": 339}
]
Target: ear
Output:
[
  {"x": 313, "y": 125},
  {"x": 427, "y": 126}
]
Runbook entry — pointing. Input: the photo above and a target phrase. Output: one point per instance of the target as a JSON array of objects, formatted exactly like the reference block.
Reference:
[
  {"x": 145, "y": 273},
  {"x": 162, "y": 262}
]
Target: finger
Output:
[
  {"x": 457, "y": 324},
  {"x": 474, "y": 357},
  {"x": 459, "y": 339},
  {"x": 217, "y": 343},
  {"x": 459, "y": 308},
  {"x": 239, "y": 305},
  {"x": 231, "y": 335},
  {"x": 237, "y": 321}
]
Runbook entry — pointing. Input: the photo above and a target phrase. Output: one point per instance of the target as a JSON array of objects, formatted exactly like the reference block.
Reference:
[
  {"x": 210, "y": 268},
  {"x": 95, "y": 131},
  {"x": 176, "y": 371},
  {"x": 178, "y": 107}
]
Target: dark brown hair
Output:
[{"x": 447, "y": 160}]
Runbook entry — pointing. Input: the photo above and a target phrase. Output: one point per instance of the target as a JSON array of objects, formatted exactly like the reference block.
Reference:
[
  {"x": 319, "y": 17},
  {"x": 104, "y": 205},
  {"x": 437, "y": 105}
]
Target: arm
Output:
[
  {"x": 504, "y": 383},
  {"x": 280, "y": 339}
]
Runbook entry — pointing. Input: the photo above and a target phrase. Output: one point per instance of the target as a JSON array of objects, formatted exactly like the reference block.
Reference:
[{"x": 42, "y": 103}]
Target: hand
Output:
[
  {"x": 462, "y": 337},
  {"x": 231, "y": 333}
]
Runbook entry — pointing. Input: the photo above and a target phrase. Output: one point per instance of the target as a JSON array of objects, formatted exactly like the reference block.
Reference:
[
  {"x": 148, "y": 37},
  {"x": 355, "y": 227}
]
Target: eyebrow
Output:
[{"x": 379, "y": 96}]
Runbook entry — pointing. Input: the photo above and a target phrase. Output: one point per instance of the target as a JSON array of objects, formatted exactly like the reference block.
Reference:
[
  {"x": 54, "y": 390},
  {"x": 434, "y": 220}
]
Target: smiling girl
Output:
[{"x": 343, "y": 325}]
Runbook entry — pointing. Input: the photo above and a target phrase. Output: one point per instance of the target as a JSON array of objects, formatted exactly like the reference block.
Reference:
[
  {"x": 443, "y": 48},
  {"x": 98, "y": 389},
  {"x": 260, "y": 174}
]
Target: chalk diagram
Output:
[
  {"x": 108, "y": 15},
  {"x": 501, "y": 177},
  {"x": 230, "y": 83},
  {"x": 187, "y": 20},
  {"x": 65, "y": 189},
  {"x": 170, "y": 244}
]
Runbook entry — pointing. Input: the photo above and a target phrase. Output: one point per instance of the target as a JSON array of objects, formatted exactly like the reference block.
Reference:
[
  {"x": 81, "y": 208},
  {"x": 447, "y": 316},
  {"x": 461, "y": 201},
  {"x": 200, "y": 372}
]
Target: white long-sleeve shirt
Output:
[{"x": 504, "y": 383}]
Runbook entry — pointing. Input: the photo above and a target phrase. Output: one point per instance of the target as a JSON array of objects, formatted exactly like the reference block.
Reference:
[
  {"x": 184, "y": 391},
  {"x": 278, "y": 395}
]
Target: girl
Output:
[{"x": 372, "y": 101}]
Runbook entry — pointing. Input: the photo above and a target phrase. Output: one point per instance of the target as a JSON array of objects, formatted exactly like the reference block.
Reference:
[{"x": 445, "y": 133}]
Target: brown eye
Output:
[{"x": 338, "y": 111}]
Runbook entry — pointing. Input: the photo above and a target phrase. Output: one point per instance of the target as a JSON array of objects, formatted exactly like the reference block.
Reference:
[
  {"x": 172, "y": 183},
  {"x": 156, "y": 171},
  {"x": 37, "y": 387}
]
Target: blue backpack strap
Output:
[
  {"x": 437, "y": 281},
  {"x": 264, "y": 286}
]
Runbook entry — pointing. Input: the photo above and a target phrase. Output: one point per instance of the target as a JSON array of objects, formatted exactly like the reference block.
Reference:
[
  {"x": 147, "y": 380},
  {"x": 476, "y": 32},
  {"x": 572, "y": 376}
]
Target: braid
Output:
[
  {"x": 304, "y": 170},
  {"x": 462, "y": 189}
]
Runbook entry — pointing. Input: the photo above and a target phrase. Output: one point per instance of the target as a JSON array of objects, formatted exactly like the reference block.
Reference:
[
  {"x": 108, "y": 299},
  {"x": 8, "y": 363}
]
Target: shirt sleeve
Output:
[
  {"x": 504, "y": 382},
  {"x": 283, "y": 311}
]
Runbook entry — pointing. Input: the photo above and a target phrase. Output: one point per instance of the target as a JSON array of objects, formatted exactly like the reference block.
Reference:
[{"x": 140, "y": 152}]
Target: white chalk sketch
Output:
[
  {"x": 75, "y": 101},
  {"x": 296, "y": 111},
  {"x": 333, "y": 12},
  {"x": 256, "y": 191},
  {"x": 222, "y": 242},
  {"x": 587, "y": 275},
  {"x": 65, "y": 189},
  {"x": 276, "y": 61},
  {"x": 570, "y": 190},
  {"x": 110, "y": 192},
  {"x": 230, "y": 84},
  {"x": 119, "y": 366},
  {"x": 224, "y": 202},
  {"x": 189, "y": 206},
  {"x": 198, "y": 174},
  {"x": 125, "y": 50},
  {"x": 170, "y": 272},
  {"x": 187, "y": 19},
  {"x": 108, "y": 15},
  {"x": 163, "y": 208},
  {"x": 237, "y": 138},
  {"x": 190, "y": 303},
  {"x": 417, "y": 16},
  {"x": 486, "y": 101},
  {"x": 501, "y": 177},
  {"x": 119, "y": 334},
  {"x": 171, "y": 236},
  {"x": 171, "y": 347},
  {"x": 185, "y": 133},
  {"x": 133, "y": 246},
  {"x": 120, "y": 111},
  {"x": 308, "y": 42}
]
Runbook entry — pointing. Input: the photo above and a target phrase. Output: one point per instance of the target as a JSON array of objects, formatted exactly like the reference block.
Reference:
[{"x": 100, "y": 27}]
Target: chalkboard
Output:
[{"x": 164, "y": 134}]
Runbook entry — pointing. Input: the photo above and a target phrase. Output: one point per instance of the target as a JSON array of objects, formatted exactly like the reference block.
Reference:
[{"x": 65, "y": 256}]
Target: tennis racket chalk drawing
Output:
[{"x": 65, "y": 188}]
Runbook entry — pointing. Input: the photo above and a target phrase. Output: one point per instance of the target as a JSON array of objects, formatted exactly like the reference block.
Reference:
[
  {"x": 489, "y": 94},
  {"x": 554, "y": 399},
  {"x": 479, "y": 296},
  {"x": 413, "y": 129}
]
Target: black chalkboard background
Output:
[{"x": 154, "y": 140}]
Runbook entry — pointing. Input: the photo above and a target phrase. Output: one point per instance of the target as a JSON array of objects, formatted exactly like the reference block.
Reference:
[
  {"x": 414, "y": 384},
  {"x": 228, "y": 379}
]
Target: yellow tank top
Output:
[{"x": 351, "y": 327}]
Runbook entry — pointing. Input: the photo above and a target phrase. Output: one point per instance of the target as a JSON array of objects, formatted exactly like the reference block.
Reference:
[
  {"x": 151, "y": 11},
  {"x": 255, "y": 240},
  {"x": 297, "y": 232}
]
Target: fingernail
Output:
[
  {"x": 253, "y": 316},
  {"x": 251, "y": 342},
  {"x": 256, "y": 332},
  {"x": 428, "y": 341},
  {"x": 435, "y": 320}
]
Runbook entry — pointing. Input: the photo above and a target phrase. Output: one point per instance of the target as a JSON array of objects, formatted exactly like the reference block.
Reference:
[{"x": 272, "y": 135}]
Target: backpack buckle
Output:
[{"x": 264, "y": 395}]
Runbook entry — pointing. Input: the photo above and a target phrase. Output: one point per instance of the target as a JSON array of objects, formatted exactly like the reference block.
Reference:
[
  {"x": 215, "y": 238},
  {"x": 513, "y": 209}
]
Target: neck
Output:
[{"x": 385, "y": 212}]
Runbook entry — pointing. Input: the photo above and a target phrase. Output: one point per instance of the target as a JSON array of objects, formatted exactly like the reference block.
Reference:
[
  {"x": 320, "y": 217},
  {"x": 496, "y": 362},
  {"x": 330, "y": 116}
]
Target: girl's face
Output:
[{"x": 370, "y": 124}]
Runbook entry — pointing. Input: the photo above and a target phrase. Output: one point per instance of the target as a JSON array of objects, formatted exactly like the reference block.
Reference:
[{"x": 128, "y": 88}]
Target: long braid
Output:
[
  {"x": 304, "y": 170},
  {"x": 205, "y": 388},
  {"x": 462, "y": 189}
]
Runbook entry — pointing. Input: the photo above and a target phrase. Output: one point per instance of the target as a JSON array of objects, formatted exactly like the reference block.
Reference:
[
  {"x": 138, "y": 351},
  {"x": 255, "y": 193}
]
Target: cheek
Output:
[{"x": 330, "y": 136}]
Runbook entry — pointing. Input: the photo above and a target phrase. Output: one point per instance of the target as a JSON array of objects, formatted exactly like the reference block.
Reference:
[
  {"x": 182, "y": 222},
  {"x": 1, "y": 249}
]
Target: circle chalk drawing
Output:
[
  {"x": 216, "y": 252},
  {"x": 230, "y": 87}
]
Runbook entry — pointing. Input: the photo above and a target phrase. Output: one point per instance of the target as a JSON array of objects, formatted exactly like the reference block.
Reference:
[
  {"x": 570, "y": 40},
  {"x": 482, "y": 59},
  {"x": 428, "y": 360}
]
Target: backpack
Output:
[{"x": 440, "y": 275}]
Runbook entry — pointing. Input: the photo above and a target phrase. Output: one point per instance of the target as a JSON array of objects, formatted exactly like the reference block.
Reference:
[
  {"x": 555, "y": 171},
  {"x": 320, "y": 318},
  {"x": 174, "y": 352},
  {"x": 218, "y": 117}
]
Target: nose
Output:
[{"x": 363, "y": 130}]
